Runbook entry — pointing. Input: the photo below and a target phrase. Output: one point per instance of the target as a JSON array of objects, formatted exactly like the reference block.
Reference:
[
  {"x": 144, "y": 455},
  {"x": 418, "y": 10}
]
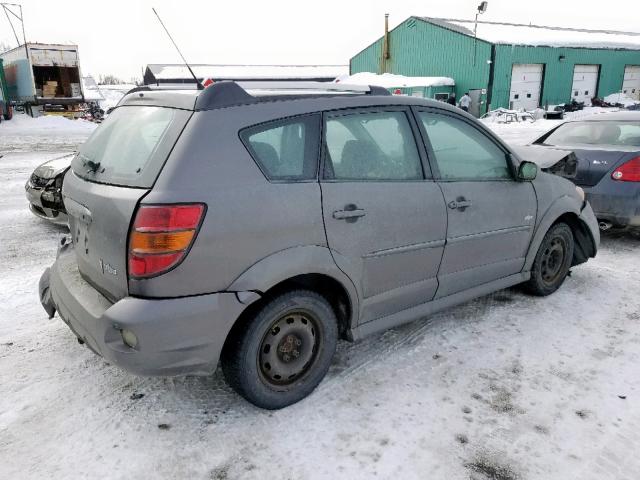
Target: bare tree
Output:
[{"x": 109, "y": 80}]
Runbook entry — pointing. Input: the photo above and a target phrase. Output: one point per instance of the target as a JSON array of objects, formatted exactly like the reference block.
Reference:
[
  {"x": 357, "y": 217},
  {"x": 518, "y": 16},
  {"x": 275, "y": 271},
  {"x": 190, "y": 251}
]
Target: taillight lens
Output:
[
  {"x": 161, "y": 237},
  {"x": 628, "y": 171}
]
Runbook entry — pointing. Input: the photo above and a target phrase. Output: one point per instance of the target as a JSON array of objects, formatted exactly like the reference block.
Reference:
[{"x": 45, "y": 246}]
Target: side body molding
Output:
[{"x": 291, "y": 262}]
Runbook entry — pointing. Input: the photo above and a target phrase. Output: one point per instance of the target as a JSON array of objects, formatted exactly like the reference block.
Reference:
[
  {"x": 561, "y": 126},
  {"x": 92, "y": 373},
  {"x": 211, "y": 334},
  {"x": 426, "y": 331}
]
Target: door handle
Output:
[
  {"x": 350, "y": 212},
  {"x": 459, "y": 204}
]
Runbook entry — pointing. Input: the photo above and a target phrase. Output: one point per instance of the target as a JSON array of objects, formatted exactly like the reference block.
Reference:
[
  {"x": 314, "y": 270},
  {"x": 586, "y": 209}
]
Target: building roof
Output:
[
  {"x": 538, "y": 35},
  {"x": 390, "y": 80},
  {"x": 238, "y": 72}
]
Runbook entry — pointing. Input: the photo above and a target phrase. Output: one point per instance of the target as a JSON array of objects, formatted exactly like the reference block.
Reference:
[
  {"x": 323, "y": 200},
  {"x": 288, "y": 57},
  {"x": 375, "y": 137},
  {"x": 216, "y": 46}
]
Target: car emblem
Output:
[
  {"x": 106, "y": 268},
  {"x": 528, "y": 218},
  {"x": 599, "y": 162}
]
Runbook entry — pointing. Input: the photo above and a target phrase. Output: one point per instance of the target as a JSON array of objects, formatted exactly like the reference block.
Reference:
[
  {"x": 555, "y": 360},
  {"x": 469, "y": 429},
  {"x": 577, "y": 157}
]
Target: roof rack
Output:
[{"x": 227, "y": 93}]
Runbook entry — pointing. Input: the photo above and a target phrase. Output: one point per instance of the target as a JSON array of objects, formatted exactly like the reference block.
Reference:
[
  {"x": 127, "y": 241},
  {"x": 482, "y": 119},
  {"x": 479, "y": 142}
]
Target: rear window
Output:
[
  {"x": 131, "y": 146},
  {"x": 596, "y": 133}
]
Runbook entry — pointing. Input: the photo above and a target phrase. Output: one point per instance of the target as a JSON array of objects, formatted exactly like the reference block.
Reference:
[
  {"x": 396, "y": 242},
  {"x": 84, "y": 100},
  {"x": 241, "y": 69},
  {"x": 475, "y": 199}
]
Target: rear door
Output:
[
  {"x": 490, "y": 215},
  {"x": 384, "y": 217},
  {"x": 113, "y": 170}
]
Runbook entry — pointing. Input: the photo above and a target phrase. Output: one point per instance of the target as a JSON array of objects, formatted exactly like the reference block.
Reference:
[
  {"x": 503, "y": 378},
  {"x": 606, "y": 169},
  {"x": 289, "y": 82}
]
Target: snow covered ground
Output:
[{"x": 504, "y": 387}]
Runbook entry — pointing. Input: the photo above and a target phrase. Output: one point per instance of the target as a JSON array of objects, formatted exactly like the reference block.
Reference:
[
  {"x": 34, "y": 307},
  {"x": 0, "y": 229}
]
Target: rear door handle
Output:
[
  {"x": 350, "y": 212},
  {"x": 460, "y": 204}
]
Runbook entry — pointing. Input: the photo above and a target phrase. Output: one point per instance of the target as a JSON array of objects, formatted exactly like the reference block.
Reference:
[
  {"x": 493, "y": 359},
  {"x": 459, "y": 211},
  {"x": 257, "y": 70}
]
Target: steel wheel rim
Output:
[
  {"x": 289, "y": 348},
  {"x": 553, "y": 260}
]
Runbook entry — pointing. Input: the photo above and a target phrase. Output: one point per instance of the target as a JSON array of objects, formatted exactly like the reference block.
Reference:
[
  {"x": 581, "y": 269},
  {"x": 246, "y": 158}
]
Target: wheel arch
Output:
[
  {"x": 564, "y": 209},
  {"x": 308, "y": 267}
]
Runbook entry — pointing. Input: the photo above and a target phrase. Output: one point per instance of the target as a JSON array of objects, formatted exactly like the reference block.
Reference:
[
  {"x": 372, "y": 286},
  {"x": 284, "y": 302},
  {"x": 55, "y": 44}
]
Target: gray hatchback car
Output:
[{"x": 256, "y": 226}]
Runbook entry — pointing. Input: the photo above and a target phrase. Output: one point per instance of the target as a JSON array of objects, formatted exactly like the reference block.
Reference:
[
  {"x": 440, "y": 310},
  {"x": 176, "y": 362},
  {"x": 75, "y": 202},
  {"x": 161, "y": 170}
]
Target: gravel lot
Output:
[{"x": 504, "y": 387}]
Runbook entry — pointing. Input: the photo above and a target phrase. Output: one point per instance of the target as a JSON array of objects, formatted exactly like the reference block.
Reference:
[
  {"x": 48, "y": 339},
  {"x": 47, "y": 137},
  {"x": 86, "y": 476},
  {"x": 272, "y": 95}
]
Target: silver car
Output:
[
  {"x": 44, "y": 190},
  {"x": 256, "y": 227}
]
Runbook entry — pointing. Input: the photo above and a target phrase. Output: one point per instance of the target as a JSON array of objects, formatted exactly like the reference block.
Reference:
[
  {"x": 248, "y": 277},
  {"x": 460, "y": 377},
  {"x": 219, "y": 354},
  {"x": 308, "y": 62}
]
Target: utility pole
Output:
[{"x": 481, "y": 9}]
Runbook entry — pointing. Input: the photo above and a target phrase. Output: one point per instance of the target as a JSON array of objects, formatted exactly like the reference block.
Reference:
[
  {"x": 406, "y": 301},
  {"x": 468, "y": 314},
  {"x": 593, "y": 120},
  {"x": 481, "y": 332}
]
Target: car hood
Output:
[
  {"x": 53, "y": 168},
  {"x": 542, "y": 156}
]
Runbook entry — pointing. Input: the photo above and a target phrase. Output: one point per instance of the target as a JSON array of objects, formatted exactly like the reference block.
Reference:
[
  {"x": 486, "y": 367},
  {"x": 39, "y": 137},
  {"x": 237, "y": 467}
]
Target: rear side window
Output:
[
  {"x": 131, "y": 146},
  {"x": 371, "y": 146},
  {"x": 286, "y": 150},
  {"x": 461, "y": 151}
]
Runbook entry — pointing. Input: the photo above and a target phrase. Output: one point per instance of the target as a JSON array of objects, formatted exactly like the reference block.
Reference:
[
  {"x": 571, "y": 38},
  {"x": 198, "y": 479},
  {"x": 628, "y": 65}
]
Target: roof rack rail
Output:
[{"x": 227, "y": 93}]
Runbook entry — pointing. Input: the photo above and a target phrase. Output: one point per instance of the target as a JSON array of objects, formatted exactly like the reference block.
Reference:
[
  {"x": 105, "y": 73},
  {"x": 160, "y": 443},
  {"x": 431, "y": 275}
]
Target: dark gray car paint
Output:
[{"x": 258, "y": 233}]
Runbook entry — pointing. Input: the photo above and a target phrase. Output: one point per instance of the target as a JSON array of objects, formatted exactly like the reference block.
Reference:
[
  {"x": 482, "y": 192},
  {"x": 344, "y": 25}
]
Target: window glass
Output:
[
  {"x": 371, "y": 146},
  {"x": 596, "y": 133},
  {"x": 285, "y": 150},
  {"x": 461, "y": 151},
  {"x": 130, "y": 146}
]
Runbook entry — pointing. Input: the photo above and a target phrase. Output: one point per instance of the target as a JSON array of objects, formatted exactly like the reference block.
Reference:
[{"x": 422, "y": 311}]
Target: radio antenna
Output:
[{"x": 199, "y": 85}]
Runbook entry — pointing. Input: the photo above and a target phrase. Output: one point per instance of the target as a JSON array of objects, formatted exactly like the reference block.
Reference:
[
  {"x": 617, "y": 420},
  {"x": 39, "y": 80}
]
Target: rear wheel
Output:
[
  {"x": 284, "y": 351},
  {"x": 8, "y": 114},
  {"x": 552, "y": 262}
]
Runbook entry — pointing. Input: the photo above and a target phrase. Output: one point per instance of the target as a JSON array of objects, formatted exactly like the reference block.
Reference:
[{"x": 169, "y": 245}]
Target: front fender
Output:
[{"x": 291, "y": 262}]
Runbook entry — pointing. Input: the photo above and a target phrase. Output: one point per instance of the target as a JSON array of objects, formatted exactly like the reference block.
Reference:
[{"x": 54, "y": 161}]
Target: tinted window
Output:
[
  {"x": 286, "y": 150},
  {"x": 461, "y": 151},
  {"x": 131, "y": 146},
  {"x": 371, "y": 146},
  {"x": 596, "y": 133}
]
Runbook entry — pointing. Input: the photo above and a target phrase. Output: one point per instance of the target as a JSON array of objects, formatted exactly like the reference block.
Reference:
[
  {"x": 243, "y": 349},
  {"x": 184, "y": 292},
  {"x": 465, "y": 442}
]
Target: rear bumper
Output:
[
  {"x": 175, "y": 336},
  {"x": 616, "y": 202}
]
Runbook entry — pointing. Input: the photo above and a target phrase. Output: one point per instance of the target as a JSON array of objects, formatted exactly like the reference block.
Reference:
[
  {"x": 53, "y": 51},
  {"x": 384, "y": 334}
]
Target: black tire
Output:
[
  {"x": 8, "y": 114},
  {"x": 552, "y": 262},
  {"x": 282, "y": 353}
]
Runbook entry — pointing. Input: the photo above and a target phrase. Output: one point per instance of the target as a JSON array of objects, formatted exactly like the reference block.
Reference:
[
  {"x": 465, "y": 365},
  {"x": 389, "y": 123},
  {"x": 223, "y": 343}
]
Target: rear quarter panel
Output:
[{"x": 248, "y": 218}]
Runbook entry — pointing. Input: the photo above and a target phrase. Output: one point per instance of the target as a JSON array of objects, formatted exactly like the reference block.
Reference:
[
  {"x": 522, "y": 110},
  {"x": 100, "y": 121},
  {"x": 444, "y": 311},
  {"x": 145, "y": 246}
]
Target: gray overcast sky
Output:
[{"x": 120, "y": 37}]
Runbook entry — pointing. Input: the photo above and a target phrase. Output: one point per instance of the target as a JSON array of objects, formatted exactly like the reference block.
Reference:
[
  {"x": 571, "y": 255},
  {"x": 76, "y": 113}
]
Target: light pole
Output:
[{"x": 481, "y": 9}]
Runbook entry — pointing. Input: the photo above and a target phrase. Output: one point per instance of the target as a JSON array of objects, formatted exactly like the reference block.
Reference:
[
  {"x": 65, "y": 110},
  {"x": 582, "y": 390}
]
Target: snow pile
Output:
[
  {"x": 541, "y": 36},
  {"x": 51, "y": 133},
  {"x": 390, "y": 80},
  {"x": 26, "y": 125},
  {"x": 621, "y": 99}
]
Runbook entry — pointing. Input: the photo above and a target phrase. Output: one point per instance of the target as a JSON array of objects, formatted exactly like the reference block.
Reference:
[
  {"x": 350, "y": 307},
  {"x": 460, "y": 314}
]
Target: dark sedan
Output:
[
  {"x": 44, "y": 190},
  {"x": 607, "y": 150}
]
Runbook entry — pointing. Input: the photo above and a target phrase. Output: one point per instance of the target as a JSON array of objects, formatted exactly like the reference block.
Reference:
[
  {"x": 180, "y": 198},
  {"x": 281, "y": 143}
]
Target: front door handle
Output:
[
  {"x": 460, "y": 204},
  {"x": 350, "y": 213}
]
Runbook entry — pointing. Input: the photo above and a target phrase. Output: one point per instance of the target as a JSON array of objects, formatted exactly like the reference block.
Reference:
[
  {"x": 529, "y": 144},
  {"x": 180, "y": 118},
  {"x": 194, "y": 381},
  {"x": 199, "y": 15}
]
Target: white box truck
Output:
[{"x": 44, "y": 77}]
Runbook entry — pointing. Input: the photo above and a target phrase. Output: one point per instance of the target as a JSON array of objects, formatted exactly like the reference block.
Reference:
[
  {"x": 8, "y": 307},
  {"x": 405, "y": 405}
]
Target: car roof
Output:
[
  {"x": 617, "y": 116},
  {"x": 226, "y": 94}
]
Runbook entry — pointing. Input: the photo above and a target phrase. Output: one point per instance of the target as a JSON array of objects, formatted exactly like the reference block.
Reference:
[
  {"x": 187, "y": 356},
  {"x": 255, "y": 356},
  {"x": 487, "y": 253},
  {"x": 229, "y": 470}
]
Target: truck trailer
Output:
[
  {"x": 43, "y": 77},
  {"x": 6, "y": 110}
]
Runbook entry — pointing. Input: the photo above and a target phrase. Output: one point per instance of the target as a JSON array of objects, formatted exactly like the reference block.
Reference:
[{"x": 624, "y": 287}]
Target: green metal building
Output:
[{"x": 509, "y": 65}]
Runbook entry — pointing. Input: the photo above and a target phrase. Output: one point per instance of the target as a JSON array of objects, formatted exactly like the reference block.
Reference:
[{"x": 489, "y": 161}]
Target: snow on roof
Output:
[
  {"x": 232, "y": 72},
  {"x": 537, "y": 35},
  {"x": 390, "y": 80}
]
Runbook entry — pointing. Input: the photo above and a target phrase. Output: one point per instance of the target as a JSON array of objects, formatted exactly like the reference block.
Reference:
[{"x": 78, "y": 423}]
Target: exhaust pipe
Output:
[{"x": 604, "y": 226}]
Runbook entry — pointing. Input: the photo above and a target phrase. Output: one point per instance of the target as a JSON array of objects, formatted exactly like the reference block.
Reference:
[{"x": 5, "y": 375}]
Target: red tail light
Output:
[
  {"x": 161, "y": 237},
  {"x": 628, "y": 171}
]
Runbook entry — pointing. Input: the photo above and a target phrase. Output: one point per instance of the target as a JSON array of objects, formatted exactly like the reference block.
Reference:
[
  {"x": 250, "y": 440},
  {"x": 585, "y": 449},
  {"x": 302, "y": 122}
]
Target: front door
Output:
[
  {"x": 490, "y": 215},
  {"x": 385, "y": 218}
]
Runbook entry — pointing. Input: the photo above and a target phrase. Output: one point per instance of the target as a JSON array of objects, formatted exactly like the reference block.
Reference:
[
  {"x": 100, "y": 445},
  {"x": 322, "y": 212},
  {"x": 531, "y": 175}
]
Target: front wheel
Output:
[
  {"x": 552, "y": 262},
  {"x": 284, "y": 351}
]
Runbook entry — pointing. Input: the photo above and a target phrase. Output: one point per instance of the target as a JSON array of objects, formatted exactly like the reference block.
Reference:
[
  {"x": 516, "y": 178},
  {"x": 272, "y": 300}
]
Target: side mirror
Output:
[{"x": 527, "y": 171}]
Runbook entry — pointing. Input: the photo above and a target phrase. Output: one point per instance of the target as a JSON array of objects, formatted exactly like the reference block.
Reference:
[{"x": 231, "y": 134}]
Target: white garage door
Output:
[
  {"x": 526, "y": 80},
  {"x": 585, "y": 82},
  {"x": 631, "y": 82}
]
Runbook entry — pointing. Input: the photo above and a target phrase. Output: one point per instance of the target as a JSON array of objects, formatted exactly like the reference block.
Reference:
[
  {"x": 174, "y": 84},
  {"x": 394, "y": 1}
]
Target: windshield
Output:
[
  {"x": 595, "y": 133},
  {"x": 131, "y": 146}
]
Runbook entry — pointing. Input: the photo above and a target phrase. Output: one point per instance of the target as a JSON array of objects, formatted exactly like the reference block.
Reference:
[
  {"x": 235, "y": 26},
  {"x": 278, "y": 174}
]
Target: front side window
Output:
[
  {"x": 371, "y": 146},
  {"x": 461, "y": 151},
  {"x": 286, "y": 149}
]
